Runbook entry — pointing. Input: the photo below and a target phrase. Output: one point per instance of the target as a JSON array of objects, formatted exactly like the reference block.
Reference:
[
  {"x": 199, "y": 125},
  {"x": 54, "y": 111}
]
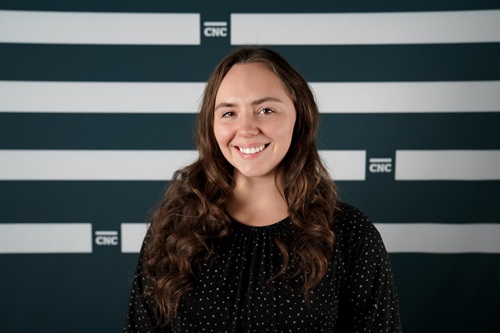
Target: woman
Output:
[{"x": 251, "y": 236}]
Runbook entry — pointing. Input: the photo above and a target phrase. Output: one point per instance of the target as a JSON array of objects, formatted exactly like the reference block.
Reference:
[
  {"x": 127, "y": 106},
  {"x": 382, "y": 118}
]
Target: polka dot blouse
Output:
[{"x": 232, "y": 293}]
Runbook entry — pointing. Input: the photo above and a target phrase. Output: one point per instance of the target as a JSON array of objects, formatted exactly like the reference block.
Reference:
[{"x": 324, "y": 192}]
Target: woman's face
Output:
[{"x": 253, "y": 120}]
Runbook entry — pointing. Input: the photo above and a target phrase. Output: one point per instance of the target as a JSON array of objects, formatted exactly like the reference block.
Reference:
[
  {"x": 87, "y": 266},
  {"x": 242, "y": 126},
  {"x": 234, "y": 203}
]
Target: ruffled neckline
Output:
[{"x": 283, "y": 226}]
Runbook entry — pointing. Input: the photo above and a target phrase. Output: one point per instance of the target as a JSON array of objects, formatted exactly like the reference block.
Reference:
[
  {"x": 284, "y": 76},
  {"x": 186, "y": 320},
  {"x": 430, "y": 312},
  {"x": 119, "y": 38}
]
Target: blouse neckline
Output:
[{"x": 286, "y": 222}]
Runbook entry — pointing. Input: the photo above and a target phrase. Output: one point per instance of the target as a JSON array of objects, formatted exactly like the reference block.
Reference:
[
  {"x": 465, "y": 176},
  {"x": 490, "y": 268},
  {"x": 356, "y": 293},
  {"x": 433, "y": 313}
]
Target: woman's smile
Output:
[
  {"x": 251, "y": 150},
  {"x": 253, "y": 120}
]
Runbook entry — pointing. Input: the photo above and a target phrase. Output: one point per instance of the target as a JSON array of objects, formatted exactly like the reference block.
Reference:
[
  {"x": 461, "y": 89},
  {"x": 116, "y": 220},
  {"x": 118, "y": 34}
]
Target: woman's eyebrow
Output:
[
  {"x": 256, "y": 102},
  {"x": 224, "y": 105},
  {"x": 266, "y": 99}
]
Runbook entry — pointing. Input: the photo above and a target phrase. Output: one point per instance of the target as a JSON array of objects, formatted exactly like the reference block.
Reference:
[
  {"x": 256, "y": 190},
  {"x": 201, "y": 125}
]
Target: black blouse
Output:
[{"x": 232, "y": 292}]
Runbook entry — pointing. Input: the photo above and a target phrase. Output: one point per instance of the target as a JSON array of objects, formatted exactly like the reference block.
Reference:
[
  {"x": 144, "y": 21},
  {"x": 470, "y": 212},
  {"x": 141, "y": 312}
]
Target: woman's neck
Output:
[{"x": 257, "y": 201}]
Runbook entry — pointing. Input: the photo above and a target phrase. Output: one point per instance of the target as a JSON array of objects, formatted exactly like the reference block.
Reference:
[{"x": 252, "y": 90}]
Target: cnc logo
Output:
[
  {"x": 215, "y": 29},
  {"x": 106, "y": 238},
  {"x": 380, "y": 165}
]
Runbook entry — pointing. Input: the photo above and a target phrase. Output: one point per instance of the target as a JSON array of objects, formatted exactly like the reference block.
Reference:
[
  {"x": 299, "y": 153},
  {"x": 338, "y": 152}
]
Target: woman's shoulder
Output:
[
  {"x": 348, "y": 216},
  {"x": 351, "y": 225}
]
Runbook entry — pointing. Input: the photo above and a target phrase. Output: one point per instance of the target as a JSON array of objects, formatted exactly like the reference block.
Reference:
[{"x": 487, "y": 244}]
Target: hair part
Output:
[{"x": 190, "y": 220}]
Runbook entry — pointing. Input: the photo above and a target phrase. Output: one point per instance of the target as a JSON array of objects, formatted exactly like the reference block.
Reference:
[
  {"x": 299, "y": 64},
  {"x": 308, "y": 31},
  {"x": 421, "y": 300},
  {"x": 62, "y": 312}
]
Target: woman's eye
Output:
[
  {"x": 228, "y": 114},
  {"x": 266, "y": 111}
]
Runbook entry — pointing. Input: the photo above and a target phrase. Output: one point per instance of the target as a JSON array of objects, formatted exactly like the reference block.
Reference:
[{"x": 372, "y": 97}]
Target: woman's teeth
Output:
[{"x": 253, "y": 150}]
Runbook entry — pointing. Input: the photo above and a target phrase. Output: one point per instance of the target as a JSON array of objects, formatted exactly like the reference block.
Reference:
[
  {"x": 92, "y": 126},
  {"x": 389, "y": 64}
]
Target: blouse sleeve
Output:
[
  {"x": 369, "y": 300},
  {"x": 141, "y": 315}
]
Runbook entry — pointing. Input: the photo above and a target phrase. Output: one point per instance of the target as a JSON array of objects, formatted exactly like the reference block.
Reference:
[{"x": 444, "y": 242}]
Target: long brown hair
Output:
[{"x": 191, "y": 219}]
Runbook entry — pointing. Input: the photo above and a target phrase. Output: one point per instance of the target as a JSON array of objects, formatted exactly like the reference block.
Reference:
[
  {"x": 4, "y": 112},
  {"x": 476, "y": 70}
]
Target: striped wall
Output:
[{"x": 97, "y": 107}]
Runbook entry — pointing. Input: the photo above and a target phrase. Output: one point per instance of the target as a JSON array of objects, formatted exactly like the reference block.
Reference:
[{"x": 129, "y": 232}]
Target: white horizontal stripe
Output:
[
  {"x": 106, "y": 233},
  {"x": 366, "y": 28},
  {"x": 447, "y": 165},
  {"x": 440, "y": 238},
  {"x": 215, "y": 24},
  {"x": 92, "y": 164},
  {"x": 345, "y": 164},
  {"x": 180, "y": 97},
  {"x": 133, "y": 236},
  {"x": 119, "y": 97},
  {"x": 45, "y": 238},
  {"x": 99, "y": 28},
  {"x": 134, "y": 164},
  {"x": 398, "y": 237},
  {"x": 380, "y": 160},
  {"x": 415, "y": 97}
]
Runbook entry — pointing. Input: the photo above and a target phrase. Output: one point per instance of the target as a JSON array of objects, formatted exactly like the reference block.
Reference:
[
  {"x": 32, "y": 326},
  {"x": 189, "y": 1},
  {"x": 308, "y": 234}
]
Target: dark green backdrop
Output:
[{"x": 61, "y": 292}]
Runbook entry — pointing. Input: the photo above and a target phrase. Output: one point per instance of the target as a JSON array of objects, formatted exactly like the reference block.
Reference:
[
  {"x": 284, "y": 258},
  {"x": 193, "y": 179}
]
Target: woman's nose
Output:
[{"x": 248, "y": 126}]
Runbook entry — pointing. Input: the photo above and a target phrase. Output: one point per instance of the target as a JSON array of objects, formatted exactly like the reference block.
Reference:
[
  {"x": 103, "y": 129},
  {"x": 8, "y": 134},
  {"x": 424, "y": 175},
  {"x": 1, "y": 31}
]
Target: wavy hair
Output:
[{"x": 190, "y": 220}]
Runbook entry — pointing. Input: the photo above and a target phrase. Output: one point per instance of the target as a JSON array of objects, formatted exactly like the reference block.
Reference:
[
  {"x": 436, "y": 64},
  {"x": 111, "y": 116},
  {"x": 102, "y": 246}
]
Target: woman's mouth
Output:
[{"x": 252, "y": 150}]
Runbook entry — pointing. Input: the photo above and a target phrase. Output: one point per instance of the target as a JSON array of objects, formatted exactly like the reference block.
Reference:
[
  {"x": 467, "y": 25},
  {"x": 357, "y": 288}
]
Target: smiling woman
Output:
[
  {"x": 252, "y": 237},
  {"x": 253, "y": 125}
]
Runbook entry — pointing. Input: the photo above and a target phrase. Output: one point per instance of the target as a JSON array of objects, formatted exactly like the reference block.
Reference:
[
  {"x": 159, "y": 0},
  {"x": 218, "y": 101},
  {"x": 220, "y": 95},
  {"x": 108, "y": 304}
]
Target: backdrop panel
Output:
[{"x": 98, "y": 101}]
